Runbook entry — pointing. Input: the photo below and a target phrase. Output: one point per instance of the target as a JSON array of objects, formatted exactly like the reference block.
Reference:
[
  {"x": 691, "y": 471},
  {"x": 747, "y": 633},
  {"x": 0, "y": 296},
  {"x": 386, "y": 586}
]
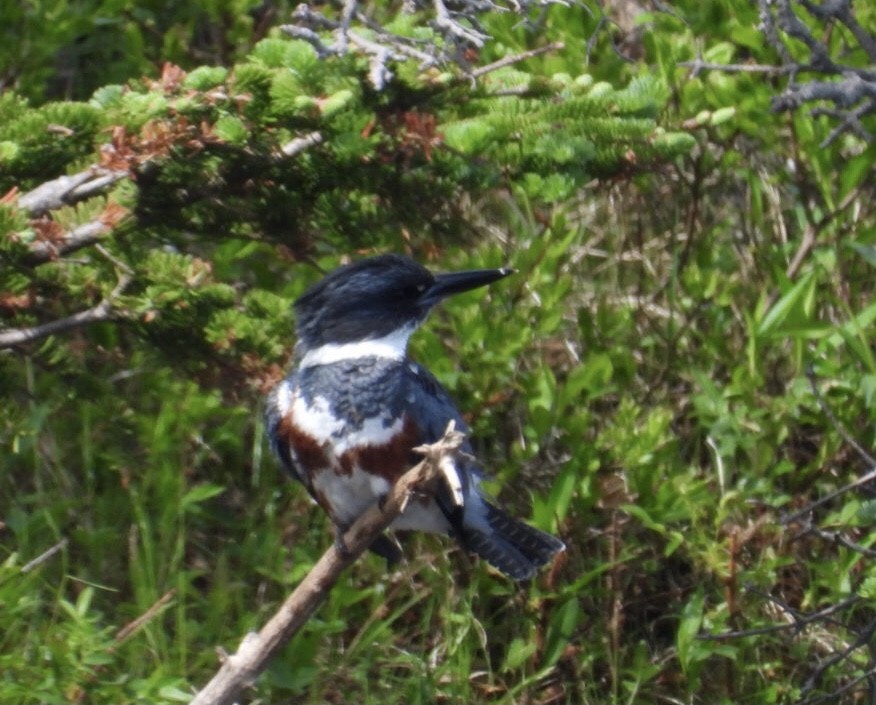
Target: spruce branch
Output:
[{"x": 240, "y": 670}]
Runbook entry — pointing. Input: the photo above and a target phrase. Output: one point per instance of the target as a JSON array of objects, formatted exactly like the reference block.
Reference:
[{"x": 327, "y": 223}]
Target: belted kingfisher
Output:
[{"x": 346, "y": 418}]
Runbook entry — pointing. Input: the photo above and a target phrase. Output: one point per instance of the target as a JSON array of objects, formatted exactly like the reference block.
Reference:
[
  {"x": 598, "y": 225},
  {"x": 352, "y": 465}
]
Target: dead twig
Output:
[
  {"x": 44, "y": 556},
  {"x": 516, "y": 58},
  {"x": 79, "y": 237},
  {"x": 66, "y": 190},
  {"x": 797, "y": 621},
  {"x": 300, "y": 144},
  {"x": 131, "y": 628},
  {"x": 698, "y": 66},
  {"x": 240, "y": 670},
  {"x": 101, "y": 312}
]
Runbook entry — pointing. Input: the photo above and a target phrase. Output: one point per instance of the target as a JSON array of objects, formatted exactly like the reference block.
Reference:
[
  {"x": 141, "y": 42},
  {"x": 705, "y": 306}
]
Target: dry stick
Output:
[
  {"x": 240, "y": 670},
  {"x": 69, "y": 189},
  {"x": 101, "y": 312},
  {"x": 698, "y": 66},
  {"x": 847, "y": 437},
  {"x": 45, "y": 556},
  {"x": 79, "y": 237},
  {"x": 809, "y": 240},
  {"x": 516, "y": 58},
  {"x": 131, "y": 628},
  {"x": 797, "y": 623},
  {"x": 294, "y": 147}
]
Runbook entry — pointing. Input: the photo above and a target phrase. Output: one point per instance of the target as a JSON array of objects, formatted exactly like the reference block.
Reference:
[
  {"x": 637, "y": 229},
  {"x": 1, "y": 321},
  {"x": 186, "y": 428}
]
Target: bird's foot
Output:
[{"x": 340, "y": 545}]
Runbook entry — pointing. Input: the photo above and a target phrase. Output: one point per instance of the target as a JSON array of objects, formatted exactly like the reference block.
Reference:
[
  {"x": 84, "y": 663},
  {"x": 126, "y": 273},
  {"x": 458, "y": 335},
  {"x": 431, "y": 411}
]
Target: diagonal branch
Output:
[
  {"x": 241, "y": 669},
  {"x": 101, "y": 312},
  {"x": 445, "y": 22},
  {"x": 77, "y": 238},
  {"x": 515, "y": 58},
  {"x": 66, "y": 190}
]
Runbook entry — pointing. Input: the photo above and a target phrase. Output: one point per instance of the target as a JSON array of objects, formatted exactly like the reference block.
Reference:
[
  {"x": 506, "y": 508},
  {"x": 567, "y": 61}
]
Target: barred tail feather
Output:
[{"x": 515, "y": 548}]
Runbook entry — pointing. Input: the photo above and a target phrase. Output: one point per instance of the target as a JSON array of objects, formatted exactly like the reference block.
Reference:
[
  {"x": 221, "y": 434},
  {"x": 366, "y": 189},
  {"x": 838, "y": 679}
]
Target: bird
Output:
[{"x": 347, "y": 417}]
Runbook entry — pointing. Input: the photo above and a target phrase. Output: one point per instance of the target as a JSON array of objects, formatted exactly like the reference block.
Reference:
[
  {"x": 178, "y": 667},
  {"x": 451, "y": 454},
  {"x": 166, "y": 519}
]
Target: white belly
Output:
[{"x": 349, "y": 495}]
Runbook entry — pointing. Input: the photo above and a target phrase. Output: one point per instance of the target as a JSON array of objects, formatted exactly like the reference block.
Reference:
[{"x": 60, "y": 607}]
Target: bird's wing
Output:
[
  {"x": 275, "y": 415},
  {"x": 429, "y": 405}
]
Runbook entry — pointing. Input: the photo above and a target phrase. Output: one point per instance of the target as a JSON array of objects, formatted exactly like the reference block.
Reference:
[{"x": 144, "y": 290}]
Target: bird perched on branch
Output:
[{"x": 346, "y": 419}]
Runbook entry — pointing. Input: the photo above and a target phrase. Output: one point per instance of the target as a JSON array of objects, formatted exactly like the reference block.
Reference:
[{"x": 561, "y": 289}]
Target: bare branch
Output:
[
  {"x": 516, "y": 58},
  {"x": 66, "y": 190},
  {"x": 698, "y": 66},
  {"x": 240, "y": 670},
  {"x": 132, "y": 628},
  {"x": 457, "y": 25},
  {"x": 346, "y": 18},
  {"x": 101, "y": 312},
  {"x": 842, "y": 10},
  {"x": 846, "y": 436},
  {"x": 835, "y": 537},
  {"x": 45, "y": 556},
  {"x": 81, "y": 236},
  {"x": 300, "y": 144},
  {"x": 844, "y": 94},
  {"x": 797, "y": 621},
  {"x": 308, "y": 35},
  {"x": 444, "y": 21},
  {"x": 863, "y": 639}
]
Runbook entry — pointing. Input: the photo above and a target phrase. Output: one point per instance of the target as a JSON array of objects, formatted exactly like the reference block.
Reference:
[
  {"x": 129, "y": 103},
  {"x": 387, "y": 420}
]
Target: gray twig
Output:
[
  {"x": 66, "y": 190},
  {"x": 300, "y": 144},
  {"x": 101, "y": 312},
  {"x": 44, "y": 556},
  {"x": 456, "y": 28},
  {"x": 853, "y": 95},
  {"x": 797, "y": 623},
  {"x": 77, "y": 238},
  {"x": 698, "y": 66},
  {"x": 516, "y": 58},
  {"x": 444, "y": 21}
]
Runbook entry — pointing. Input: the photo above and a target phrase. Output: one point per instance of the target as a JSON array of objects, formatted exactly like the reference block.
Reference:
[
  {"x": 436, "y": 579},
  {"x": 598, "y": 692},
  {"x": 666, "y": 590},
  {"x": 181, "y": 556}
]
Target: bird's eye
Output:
[{"x": 413, "y": 291}]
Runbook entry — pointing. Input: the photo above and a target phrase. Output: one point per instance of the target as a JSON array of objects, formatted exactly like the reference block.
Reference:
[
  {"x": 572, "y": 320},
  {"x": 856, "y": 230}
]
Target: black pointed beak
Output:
[{"x": 457, "y": 282}]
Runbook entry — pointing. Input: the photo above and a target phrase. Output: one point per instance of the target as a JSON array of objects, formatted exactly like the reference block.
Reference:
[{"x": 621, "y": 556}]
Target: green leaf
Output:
[
  {"x": 174, "y": 694},
  {"x": 519, "y": 652},
  {"x": 561, "y": 629},
  {"x": 794, "y": 299},
  {"x": 867, "y": 590},
  {"x": 689, "y": 629},
  {"x": 867, "y": 251},
  {"x": 200, "y": 493},
  {"x": 592, "y": 376}
]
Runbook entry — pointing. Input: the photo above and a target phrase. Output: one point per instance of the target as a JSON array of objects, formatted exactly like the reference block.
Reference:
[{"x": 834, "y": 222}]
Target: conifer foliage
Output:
[{"x": 285, "y": 148}]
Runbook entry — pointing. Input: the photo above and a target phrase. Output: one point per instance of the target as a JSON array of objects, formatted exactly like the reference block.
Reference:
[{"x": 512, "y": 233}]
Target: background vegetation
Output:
[{"x": 678, "y": 373}]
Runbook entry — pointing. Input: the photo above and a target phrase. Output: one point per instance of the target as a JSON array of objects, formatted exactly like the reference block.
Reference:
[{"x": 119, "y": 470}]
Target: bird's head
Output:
[{"x": 379, "y": 297}]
